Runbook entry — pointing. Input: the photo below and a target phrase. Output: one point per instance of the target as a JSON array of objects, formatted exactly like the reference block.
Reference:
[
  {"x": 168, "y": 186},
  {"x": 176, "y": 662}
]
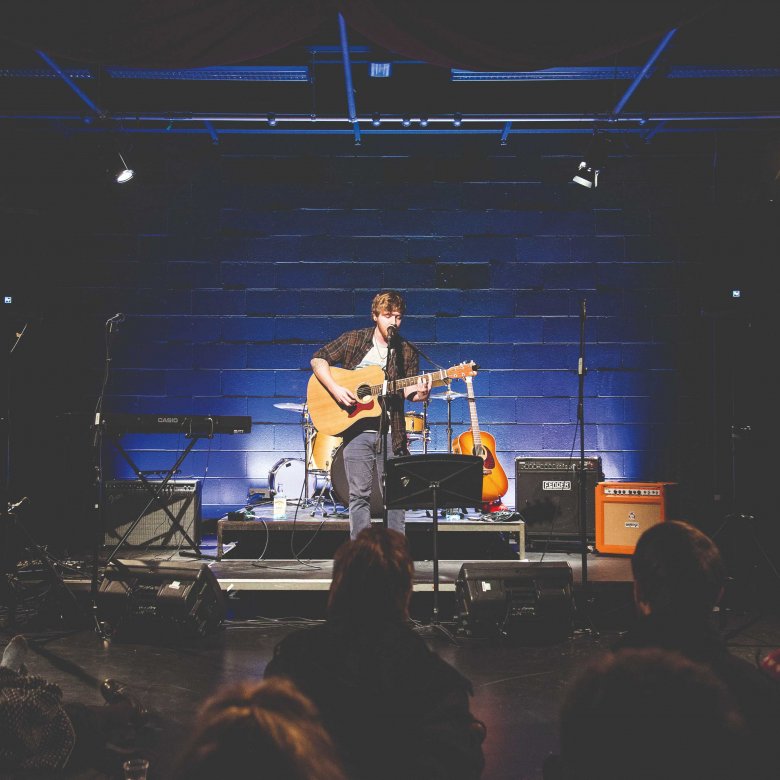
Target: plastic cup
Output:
[{"x": 136, "y": 769}]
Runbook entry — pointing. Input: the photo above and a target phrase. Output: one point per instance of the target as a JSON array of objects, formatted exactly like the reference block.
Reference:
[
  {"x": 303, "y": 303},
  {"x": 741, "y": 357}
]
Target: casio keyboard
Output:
[
  {"x": 188, "y": 424},
  {"x": 193, "y": 426}
]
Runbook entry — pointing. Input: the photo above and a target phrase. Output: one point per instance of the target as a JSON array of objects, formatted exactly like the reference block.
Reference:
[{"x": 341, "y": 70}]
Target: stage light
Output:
[
  {"x": 586, "y": 175},
  {"x": 380, "y": 70},
  {"x": 125, "y": 173},
  {"x": 423, "y": 121},
  {"x": 457, "y": 120},
  {"x": 272, "y": 120},
  {"x": 376, "y": 120},
  {"x": 406, "y": 121},
  {"x": 593, "y": 163}
]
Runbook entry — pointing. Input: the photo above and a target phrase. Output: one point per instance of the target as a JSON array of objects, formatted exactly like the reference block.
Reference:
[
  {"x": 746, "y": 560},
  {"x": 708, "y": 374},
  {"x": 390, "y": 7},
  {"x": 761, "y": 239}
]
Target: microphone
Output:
[
  {"x": 116, "y": 319},
  {"x": 392, "y": 333}
]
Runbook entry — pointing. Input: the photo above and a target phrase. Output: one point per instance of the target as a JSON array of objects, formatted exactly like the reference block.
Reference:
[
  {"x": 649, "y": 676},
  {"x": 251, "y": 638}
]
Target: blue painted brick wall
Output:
[{"x": 230, "y": 283}]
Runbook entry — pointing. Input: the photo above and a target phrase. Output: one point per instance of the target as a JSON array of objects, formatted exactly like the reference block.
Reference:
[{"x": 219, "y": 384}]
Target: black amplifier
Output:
[
  {"x": 547, "y": 496},
  {"x": 129, "y": 500}
]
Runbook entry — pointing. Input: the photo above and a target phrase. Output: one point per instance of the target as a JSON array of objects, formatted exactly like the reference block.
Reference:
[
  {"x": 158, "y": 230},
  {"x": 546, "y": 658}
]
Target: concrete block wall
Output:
[{"x": 233, "y": 264}]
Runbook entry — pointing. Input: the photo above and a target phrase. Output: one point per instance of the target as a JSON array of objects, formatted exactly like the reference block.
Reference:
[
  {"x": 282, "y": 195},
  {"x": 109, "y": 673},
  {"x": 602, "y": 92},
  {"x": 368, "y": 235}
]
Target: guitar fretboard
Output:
[{"x": 437, "y": 378}]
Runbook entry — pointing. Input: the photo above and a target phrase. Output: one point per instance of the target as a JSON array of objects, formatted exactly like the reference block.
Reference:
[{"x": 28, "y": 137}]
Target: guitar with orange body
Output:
[{"x": 474, "y": 442}]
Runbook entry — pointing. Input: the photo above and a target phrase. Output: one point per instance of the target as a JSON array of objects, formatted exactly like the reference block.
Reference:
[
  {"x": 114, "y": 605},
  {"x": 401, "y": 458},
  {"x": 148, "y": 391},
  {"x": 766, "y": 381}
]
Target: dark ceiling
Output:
[{"x": 305, "y": 67}]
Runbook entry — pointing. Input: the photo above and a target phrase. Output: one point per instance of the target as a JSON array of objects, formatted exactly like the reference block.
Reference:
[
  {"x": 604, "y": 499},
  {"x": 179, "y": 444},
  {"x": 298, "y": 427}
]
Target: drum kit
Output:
[{"x": 321, "y": 475}]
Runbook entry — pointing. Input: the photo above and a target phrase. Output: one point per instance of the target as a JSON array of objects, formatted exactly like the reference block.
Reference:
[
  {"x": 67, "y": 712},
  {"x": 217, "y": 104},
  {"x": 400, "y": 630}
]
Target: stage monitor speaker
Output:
[
  {"x": 126, "y": 500},
  {"x": 624, "y": 510},
  {"x": 160, "y": 600},
  {"x": 547, "y": 496},
  {"x": 531, "y": 603}
]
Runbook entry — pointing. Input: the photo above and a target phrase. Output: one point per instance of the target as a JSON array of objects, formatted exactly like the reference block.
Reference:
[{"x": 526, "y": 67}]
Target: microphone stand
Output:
[
  {"x": 384, "y": 402},
  {"x": 581, "y": 482},
  {"x": 112, "y": 326}
]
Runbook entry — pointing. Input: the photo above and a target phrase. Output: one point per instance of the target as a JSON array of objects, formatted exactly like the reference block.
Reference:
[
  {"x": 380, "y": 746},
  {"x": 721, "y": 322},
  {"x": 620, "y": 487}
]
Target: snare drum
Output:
[
  {"x": 415, "y": 422},
  {"x": 290, "y": 473},
  {"x": 322, "y": 451}
]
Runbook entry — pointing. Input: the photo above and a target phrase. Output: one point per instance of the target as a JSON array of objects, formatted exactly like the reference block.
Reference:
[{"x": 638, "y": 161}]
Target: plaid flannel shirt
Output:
[{"x": 350, "y": 348}]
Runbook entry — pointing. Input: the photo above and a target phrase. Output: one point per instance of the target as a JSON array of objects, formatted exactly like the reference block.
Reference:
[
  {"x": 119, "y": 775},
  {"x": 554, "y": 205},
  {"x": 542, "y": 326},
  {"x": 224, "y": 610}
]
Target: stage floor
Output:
[{"x": 518, "y": 681}]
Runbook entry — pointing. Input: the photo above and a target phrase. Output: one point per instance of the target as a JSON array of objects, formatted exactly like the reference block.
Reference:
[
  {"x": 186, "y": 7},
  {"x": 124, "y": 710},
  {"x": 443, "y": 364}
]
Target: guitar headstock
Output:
[{"x": 463, "y": 370}]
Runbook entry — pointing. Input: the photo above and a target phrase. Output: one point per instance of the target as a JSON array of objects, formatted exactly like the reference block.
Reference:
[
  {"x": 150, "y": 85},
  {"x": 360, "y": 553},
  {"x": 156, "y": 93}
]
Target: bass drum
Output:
[
  {"x": 290, "y": 473},
  {"x": 338, "y": 481}
]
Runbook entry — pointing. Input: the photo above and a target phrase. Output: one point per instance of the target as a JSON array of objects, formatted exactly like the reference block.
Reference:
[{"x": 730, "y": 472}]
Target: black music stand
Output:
[{"x": 422, "y": 482}]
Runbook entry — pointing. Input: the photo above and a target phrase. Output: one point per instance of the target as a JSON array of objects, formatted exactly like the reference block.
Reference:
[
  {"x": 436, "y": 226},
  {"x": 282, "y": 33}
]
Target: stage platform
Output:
[
  {"x": 268, "y": 566},
  {"x": 284, "y": 586},
  {"x": 419, "y": 529}
]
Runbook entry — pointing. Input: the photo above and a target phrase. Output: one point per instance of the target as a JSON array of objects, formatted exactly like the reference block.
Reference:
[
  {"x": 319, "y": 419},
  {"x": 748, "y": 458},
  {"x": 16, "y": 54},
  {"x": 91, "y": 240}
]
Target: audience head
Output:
[
  {"x": 647, "y": 714},
  {"x": 265, "y": 729},
  {"x": 677, "y": 570},
  {"x": 372, "y": 577}
]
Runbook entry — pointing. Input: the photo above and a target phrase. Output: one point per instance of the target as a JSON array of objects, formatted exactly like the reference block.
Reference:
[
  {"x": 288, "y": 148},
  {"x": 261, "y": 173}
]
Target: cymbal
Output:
[
  {"x": 448, "y": 395},
  {"x": 291, "y": 407}
]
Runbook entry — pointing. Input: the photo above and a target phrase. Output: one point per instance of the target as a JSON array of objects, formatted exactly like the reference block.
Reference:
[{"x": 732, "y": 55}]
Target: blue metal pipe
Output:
[
  {"x": 72, "y": 84},
  {"x": 646, "y": 68},
  {"x": 348, "y": 78}
]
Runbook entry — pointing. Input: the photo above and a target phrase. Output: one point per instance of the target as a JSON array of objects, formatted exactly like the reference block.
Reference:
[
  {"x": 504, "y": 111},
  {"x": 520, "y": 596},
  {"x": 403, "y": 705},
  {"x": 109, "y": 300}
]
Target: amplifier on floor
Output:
[
  {"x": 625, "y": 509},
  {"x": 532, "y": 603},
  {"x": 126, "y": 500},
  {"x": 160, "y": 600},
  {"x": 547, "y": 496}
]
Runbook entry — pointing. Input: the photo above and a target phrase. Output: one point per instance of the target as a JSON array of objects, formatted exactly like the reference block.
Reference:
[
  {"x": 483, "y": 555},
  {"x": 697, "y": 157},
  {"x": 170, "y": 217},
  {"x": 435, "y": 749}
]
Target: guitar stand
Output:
[
  {"x": 421, "y": 482},
  {"x": 155, "y": 493}
]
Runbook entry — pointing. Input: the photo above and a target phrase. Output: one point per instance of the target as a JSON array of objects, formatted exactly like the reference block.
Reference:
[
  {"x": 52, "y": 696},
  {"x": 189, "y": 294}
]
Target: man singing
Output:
[{"x": 364, "y": 440}]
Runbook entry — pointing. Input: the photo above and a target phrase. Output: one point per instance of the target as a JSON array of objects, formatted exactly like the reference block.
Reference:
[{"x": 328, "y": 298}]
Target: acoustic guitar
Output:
[
  {"x": 474, "y": 442},
  {"x": 367, "y": 384}
]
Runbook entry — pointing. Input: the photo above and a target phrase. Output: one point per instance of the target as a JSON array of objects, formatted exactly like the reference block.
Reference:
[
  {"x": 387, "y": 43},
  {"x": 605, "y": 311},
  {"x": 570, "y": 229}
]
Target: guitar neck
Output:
[
  {"x": 437, "y": 378},
  {"x": 473, "y": 414}
]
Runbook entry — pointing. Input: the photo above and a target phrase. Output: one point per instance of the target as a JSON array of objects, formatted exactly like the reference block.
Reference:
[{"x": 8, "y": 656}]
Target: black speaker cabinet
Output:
[
  {"x": 547, "y": 496},
  {"x": 160, "y": 600},
  {"x": 532, "y": 603},
  {"x": 126, "y": 500}
]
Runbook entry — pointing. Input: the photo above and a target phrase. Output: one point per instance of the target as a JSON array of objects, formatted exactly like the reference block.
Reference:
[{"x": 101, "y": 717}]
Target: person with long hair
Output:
[
  {"x": 259, "y": 729},
  {"x": 394, "y": 707}
]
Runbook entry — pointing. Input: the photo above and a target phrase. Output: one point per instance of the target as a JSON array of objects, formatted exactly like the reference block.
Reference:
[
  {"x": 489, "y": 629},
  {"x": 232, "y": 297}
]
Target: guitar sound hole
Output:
[{"x": 363, "y": 393}]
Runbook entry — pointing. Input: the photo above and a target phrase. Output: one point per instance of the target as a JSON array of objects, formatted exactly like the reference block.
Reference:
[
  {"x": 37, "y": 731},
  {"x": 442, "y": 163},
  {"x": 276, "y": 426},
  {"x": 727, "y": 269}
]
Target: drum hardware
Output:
[
  {"x": 449, "y": 396},
  {"x": 292, "y": 474},
  {"x": 322, "y": 451},
  {"x": 319, "y": 450},
  {"x": 302, "y": 488},
  {"x": 416, "y": 424},
  {"x": 291, "y": 407}
]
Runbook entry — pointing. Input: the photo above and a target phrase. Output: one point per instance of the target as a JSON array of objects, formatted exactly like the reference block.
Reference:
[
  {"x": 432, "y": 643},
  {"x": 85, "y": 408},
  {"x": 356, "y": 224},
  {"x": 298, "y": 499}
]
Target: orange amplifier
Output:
[{"x": 624, "y": 510}]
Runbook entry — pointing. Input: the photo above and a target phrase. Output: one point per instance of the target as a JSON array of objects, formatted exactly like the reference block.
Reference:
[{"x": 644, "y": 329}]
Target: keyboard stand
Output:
[{"x": 155, "y": 491}]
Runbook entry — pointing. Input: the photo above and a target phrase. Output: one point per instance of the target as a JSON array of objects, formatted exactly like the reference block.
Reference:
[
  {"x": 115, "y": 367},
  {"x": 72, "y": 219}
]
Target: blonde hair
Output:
[
  {"x": 267, "y": 728},
  {"x": 389, "y": 300}
]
